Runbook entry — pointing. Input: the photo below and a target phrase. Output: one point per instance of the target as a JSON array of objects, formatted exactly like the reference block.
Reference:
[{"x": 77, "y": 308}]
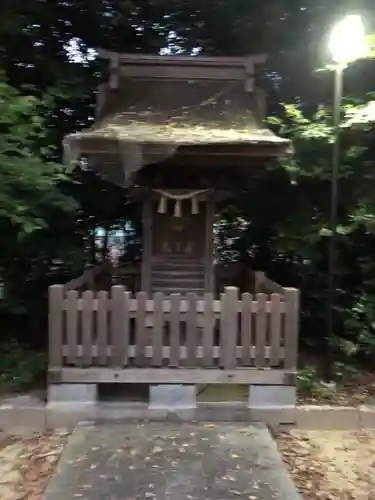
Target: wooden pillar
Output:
[
  {"x": 146, "y": 247},
  {"x": 209, "y": 274}
]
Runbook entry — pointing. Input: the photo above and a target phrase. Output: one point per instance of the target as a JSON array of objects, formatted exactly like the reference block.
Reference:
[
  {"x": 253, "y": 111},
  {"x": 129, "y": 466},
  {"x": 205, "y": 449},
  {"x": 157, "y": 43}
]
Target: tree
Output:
[
  {"x": 28, "y": 183},
  {"x": 31, "y": 195}
]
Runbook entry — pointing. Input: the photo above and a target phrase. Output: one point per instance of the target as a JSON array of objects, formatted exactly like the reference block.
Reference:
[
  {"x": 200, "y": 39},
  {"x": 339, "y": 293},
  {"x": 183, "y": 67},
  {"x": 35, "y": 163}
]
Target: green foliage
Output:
[
  {"x": 28, "y": 183},
  {"x": 20, "y": 366},
  {"x": 346, "y": 372},
  {"x": 32, "y": 198},
  {"x": 309, "y": 384},
  {"x": 307, "y": 379},
  {"x": 288, "y": 236},
  {"x": 307, "y": 234},
  {"x": 360, "y": 327}
]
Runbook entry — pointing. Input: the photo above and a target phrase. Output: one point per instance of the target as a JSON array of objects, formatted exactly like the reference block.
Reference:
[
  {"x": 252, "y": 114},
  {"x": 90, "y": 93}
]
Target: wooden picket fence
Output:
[{"x": 116, "y": 337}]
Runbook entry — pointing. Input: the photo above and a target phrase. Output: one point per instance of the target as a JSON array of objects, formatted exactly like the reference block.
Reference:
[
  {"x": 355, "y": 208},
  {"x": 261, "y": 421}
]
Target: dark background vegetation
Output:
[{"x": 47, "y": 216}]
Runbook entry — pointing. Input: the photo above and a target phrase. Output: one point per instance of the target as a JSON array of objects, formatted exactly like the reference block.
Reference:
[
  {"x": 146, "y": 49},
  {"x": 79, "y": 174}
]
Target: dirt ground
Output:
[
  {"x": 331, "y": 465},
  {"x": 27, "y": 463}
]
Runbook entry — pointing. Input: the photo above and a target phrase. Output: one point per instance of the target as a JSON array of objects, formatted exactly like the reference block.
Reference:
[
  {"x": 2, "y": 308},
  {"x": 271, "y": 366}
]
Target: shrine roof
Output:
[{"x": 155, "y": 108}]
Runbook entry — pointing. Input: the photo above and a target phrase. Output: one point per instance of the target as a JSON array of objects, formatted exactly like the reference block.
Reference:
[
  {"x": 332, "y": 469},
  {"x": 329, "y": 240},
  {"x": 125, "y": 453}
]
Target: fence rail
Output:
[
  {"x": 88, "y": 277},
  {"x": 116, "y": 330}
]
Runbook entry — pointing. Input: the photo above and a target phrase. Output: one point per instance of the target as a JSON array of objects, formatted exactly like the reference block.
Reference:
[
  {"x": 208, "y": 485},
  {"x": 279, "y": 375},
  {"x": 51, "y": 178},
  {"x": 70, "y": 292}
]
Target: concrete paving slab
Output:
[{"x": 171, "y": 461}]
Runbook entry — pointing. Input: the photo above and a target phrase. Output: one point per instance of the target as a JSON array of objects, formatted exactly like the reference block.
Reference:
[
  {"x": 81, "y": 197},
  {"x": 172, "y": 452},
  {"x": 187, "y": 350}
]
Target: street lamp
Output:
[
  {"x": 348, "y": 40},
  {"x": 347, "y": 44}
]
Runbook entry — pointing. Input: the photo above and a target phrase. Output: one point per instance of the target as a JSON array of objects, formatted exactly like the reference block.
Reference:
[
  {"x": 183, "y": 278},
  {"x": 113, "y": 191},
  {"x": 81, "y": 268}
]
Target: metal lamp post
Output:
[{"x": 347, "y": 44}]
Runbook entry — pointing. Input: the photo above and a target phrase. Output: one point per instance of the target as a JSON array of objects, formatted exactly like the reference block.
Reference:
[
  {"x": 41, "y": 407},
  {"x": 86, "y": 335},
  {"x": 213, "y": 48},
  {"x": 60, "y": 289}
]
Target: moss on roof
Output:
[{"x": 146, "y": 121}]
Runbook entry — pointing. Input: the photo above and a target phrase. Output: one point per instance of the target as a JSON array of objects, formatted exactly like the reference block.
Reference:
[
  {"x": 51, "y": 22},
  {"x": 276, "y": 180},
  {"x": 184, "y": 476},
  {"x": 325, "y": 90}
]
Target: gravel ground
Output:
[
  {"x": 331, "y": 465},
  {"x": 26, "y": 464}
]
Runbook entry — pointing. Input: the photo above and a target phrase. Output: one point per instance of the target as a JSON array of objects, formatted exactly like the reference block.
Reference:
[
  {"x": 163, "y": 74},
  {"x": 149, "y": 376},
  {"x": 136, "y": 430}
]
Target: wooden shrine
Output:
[
  {"x": 176, "y": 130},
  {"x": 178, "y": 133}
]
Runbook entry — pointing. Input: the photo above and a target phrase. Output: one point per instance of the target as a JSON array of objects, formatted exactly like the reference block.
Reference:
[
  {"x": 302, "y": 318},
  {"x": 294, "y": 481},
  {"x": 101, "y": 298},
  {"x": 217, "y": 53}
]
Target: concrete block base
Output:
[
  {"x": 272, "y": 396},
  {"x": 69, "y": 404},
  {"x": 172, "y": 397},
  {"x": 72, "y": 393}
]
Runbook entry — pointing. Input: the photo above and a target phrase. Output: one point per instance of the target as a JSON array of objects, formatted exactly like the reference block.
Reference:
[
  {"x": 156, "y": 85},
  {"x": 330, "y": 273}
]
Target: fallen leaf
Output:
[{"x": 85, "y": 486}]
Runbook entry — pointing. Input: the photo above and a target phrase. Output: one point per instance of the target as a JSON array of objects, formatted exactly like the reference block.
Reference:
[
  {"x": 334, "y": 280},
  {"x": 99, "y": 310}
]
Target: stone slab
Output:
[
  {"x": 22, "y": 421},
  {"x": 77, "y": 393},
  {"x": 172, "y": 396},
  {"x": 23, "y": 400},
  {"x": 275, "y": 417},
  {"x": 367, "y": 417},
  {"x": 141, "y": 411},
  {"x": 165, "y": 461},
  {"x": 69, "y": 415},
  {"x": 272, "y": 396},
  {"x": 223, "y": 412},
  {"x": 339, "y": 418}
]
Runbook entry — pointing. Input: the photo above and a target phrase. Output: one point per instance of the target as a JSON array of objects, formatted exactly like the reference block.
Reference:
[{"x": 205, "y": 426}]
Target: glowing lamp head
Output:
[{"x": 348, "y": 40}]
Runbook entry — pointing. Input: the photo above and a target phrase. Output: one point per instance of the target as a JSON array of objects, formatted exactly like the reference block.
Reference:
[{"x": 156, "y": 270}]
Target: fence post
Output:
[
  {"x": 229, "y": 315},
  {"x": 55, "y": 325},
  {"x": 292, "y": 301},
  {"x": 120, "y": 303}
]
